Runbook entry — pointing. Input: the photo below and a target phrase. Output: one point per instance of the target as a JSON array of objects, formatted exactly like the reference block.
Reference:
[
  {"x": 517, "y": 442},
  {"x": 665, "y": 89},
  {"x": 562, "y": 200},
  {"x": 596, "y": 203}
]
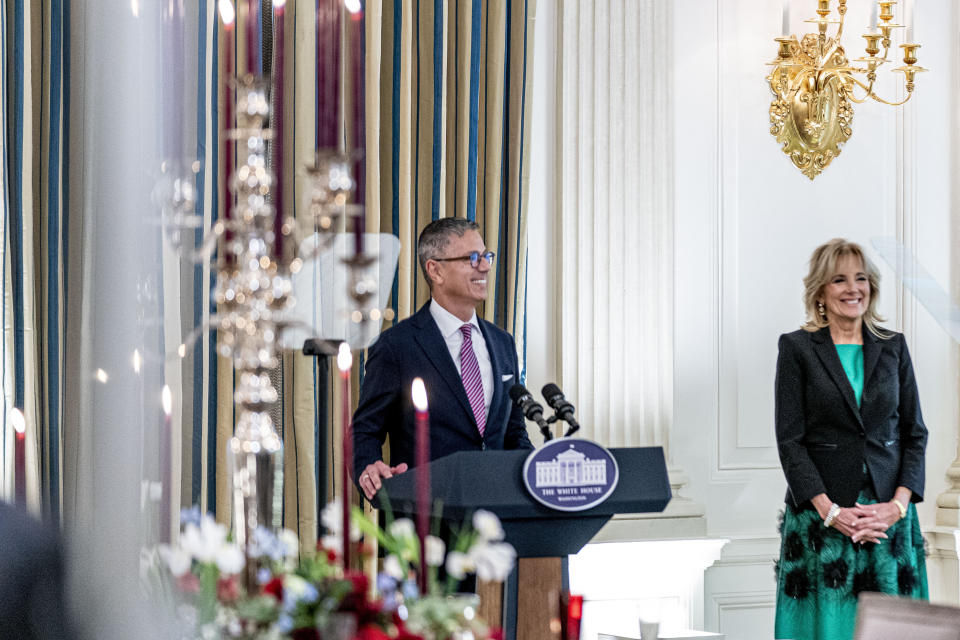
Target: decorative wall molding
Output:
[{"x": 615, "y": 128}]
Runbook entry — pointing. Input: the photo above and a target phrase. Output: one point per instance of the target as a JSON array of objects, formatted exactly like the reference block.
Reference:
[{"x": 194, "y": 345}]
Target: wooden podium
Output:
[{"x": 469, "y": 480}]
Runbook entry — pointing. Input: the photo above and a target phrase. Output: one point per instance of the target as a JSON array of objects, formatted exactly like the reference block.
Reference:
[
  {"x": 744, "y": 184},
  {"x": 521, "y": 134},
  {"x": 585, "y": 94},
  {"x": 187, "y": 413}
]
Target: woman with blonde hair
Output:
[{"x": 851, "y": 440}]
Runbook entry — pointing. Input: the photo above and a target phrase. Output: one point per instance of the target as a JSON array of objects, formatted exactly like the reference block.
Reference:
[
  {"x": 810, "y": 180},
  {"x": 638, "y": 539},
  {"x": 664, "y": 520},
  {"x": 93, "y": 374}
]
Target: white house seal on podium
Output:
[{"x": 570, "y": 474}]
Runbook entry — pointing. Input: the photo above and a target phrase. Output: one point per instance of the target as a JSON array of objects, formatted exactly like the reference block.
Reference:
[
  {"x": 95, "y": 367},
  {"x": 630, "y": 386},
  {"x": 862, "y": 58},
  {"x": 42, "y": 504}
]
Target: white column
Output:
[
  {"x": 944, "y": 539},
  {"x": 615, "y": 133}
]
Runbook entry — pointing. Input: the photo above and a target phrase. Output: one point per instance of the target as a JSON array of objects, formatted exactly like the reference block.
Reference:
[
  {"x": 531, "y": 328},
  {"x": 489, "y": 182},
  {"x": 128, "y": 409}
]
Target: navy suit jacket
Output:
[
  {"x": 415, "y": 348},
  {"x": 32, "y": 602},
  {"x": 824, "y": 438}
]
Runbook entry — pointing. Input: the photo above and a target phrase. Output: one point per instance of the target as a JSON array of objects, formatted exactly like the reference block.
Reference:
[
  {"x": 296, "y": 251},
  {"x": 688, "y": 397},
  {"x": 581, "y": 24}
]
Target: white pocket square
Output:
[{"x": 506, "y": 377}]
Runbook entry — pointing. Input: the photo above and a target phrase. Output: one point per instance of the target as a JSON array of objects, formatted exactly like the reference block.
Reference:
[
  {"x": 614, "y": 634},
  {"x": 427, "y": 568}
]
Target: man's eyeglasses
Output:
[{"x": 473, "y": 257}]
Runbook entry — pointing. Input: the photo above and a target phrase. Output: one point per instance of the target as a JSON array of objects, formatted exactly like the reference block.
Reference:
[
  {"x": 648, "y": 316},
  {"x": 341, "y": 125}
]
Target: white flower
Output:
[
  {"x": 435, "y": 551},
  {"x": 403, "y": 529},
  {"x": 176, "y": 559},
  {"x": 487, "y": 525},
  {"x": 203, "y": 542},
  {"x": 332, "y": 520},
  {"x": 459, "y": 565},
  {"x": 493, "y": 561},
  {"x": 230, "y": 559},
  {"x": 289, "y": 542},
  {"x": 333, "y": 543},
  {"x": 392, "y": 567}
]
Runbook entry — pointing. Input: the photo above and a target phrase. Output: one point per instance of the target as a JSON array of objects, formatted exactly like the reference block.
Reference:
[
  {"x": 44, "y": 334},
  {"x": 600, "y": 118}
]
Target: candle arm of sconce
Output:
[
  {"x": 870, "y": 95},
  {"x": 868, "y": 89},
  {"x": 892, "y": 104}
]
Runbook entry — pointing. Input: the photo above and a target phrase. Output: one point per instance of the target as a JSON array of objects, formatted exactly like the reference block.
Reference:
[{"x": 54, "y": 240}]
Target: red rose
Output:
[
  {"x": 370, "y": 632},
  {"x": 359, "y": 581},
  {"x": 495, "y": 634},
  {"x": 228, "y": 589},
  {"x": 274, "y": 588},
  {"x": 188, "y": 583}
]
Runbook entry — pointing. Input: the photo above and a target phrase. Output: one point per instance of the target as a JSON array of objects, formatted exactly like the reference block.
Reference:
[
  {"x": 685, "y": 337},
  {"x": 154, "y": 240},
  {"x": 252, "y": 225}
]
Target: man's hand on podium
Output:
[{"x": 371, "y": 476}]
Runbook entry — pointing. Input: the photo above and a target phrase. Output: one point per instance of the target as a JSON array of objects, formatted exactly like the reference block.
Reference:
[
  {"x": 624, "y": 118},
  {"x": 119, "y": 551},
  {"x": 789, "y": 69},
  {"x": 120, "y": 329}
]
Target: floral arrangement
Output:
[{"x": 275, "y": 591}]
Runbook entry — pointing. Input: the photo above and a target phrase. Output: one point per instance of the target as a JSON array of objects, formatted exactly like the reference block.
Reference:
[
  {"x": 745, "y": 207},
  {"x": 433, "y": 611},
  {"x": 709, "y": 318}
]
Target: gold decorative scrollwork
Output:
[
  {"x": 810, "y": 115},
  {"x": 813, "y": 84}
]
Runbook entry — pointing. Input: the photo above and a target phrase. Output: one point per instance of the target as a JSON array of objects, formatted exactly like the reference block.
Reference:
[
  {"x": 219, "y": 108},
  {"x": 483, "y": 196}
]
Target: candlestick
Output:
[
  {"x": 20, "y": 457},
  {"x": 785, "y": 18},
  {"x": 166, "y": 431},
  {"x": 419, "y": 393},
  {"x": 227, "y": 15},
  {"x": 277, "y": 126},
  {"x": 345, "y": 364},
  {"x": 328, "y": 73}
]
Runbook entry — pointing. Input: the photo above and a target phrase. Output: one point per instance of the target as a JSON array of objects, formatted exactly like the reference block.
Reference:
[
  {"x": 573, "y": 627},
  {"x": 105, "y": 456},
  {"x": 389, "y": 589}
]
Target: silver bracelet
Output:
[{"x": 831, "y": 515}]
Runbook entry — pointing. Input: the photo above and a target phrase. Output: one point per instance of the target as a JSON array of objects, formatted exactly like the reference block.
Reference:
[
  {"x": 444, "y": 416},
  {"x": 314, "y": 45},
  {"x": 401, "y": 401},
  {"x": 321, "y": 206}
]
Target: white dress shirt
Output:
[{"x": 449, "y": 326}]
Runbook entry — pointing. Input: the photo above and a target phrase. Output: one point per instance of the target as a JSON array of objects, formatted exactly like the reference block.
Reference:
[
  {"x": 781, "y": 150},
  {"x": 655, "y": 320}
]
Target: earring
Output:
[{"x": 822, "y": 310}]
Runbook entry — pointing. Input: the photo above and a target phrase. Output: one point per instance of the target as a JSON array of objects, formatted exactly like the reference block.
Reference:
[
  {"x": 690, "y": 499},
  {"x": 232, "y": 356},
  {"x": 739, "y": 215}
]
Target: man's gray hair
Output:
[{"x": 435, "y": 237}]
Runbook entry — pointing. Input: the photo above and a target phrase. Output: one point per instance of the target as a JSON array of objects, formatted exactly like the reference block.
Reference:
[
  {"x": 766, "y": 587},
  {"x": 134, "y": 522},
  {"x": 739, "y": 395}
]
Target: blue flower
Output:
[
  {"x": 309, "y": 594},
  {"x": 410, "y": 590},
  {"x": 191, "y": 516},
  {"x": 266, "y": 544},
  {"x": 264, "y": 575},
  {"x": 386, "y": 583},
  {"x": 284, "y": 623}
]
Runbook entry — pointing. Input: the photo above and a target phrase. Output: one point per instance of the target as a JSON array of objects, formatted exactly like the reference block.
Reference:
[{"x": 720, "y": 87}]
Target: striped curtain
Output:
[
  {"x": 455, "y": 82},
  {"x": 34, "y": 179}
]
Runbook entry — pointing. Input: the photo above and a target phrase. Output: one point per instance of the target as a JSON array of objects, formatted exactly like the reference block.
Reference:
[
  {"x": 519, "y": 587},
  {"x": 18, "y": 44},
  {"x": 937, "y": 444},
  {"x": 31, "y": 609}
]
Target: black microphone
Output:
[
  {"x": 562, "y": 408},
  {"x": 532, "y": 410}
]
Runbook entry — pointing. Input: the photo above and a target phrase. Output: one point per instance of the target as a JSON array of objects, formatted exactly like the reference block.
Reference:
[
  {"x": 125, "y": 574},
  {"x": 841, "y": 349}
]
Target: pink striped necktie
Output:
[{"x": 472, "y": 382}]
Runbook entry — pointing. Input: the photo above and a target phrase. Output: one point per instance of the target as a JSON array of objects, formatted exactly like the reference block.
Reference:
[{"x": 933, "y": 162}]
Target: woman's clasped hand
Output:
[{"x": 866, "y": 523}]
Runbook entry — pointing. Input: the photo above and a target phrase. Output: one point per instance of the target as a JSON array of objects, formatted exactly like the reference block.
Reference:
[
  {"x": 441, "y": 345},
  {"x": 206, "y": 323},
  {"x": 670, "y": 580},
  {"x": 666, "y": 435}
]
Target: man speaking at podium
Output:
[{"x": 467, "y": 364}]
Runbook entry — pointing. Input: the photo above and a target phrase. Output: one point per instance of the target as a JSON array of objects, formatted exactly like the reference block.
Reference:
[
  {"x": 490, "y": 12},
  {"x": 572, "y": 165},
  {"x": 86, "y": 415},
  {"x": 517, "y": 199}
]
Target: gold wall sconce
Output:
[{"x": 814, "y": 85}]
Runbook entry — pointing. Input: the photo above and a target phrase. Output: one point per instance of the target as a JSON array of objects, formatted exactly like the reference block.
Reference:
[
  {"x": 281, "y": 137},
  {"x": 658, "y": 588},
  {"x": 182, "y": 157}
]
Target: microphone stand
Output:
[{"x": 574, "y": 426}]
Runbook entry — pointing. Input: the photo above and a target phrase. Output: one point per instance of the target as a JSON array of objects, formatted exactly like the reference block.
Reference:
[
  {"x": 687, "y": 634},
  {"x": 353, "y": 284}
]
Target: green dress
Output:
[{"x": 821, "y": 571}]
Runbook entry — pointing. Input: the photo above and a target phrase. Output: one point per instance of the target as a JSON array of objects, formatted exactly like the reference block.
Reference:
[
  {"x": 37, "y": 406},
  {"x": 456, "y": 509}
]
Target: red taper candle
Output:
[
  {"x": 253, "y": 39},
  {"x": 228, "y": 16},
  {"x": 328, "y": 74},
  {"x": 20, "y": 457},
  {"x": 357, "y": 22},
  {"x": 166, "y": 432},
  {"x": 422, "y": 416},
  {"x": 277, "y": 126},
  {"x": 345, "y": 364}
]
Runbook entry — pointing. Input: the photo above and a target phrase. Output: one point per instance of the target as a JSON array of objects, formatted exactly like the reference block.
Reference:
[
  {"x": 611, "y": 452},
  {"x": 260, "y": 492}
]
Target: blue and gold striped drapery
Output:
[
  {"x": 35, "y": 121},
  {"x": 455, "y": 82}
]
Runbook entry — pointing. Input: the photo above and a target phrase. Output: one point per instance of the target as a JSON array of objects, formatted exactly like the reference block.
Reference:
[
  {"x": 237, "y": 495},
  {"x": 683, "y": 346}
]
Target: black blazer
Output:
[
  {"x": 415, "y": 348},
  {"x": 824, "y": 438}
]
